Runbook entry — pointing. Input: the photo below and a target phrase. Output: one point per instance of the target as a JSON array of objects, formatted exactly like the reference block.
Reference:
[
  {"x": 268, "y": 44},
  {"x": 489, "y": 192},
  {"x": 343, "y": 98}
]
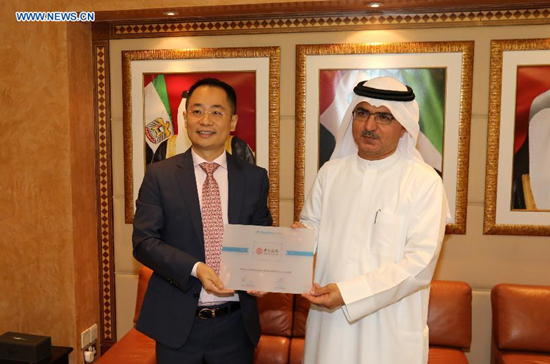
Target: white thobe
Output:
[{"x": 379, "y": 228}]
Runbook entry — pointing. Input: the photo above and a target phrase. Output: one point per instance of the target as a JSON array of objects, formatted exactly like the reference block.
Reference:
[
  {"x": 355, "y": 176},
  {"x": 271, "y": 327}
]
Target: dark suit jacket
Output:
[{"x": 168, "y": 238}]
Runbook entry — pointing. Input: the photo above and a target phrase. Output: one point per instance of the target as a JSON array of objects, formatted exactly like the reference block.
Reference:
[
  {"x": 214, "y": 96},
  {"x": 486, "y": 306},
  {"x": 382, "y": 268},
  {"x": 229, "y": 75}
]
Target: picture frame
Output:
[
  {"x": 224, "y": 63},
  {"x": 520, "y": 70},
  {"x": 455, "y": 58}
]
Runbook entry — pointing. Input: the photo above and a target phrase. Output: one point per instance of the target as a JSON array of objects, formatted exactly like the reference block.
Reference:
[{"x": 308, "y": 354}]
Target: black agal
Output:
[{"x": 390, "y": 95}]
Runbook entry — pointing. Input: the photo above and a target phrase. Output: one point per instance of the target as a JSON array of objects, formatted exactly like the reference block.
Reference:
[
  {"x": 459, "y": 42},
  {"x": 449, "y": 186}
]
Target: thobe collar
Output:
[{"x": 364, "y": 164}]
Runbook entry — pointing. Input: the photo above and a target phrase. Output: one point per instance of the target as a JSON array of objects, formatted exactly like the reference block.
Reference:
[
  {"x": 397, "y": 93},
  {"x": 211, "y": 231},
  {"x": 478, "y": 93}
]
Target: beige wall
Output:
[{"x": 48, "y": 259}]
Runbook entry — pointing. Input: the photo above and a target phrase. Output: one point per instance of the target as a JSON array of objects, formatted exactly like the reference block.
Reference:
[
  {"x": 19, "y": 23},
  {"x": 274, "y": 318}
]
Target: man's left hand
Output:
[{"x": 328, "y": 296}]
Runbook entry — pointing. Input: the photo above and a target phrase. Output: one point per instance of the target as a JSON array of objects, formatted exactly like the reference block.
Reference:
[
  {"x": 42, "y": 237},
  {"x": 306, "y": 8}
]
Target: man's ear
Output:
[
  {"x": 403, "y": 131},
  {"x": 234, "y": 119},
  {"x": 184, "y": 115}
]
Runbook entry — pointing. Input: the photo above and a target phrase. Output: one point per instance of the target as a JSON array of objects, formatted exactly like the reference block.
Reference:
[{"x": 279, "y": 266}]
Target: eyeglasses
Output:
[
  {"x": 214, "y": 115},
  {"x": 384, "y": 118}
]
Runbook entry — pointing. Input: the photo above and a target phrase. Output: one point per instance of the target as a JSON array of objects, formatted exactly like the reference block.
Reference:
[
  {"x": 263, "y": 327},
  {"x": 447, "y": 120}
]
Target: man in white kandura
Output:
[{"x": 379, "y": 213}]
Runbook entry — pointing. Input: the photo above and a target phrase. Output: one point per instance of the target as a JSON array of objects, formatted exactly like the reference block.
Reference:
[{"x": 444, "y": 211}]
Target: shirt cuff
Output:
[
  {"x": 194, "y": 270},
  {"x": 356, "y": 305}
]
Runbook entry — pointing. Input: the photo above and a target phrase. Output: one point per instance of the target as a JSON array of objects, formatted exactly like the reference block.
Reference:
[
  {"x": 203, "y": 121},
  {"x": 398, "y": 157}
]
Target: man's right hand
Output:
[{"x": 211, "y": 282}]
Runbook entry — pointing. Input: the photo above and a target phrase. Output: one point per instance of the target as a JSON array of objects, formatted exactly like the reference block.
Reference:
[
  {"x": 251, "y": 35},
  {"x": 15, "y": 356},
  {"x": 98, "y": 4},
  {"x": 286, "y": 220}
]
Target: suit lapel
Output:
[
  {"x": 188, "y": 186},
  {"x": 237, "y": 184}
]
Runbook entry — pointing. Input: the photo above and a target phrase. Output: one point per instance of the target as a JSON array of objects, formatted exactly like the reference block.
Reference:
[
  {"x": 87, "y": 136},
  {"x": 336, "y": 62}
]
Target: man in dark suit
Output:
[{"x": 182, "y": 206}]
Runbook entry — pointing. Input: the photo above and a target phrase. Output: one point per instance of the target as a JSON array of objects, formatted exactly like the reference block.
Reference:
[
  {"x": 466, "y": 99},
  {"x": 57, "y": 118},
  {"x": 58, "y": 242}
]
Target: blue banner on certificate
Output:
[{"x": 269, "y": 259}]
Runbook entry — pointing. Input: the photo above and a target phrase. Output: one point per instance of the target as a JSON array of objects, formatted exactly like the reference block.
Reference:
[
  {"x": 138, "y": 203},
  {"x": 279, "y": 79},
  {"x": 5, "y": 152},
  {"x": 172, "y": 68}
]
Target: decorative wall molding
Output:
[
  {"x": 355, "y": 21},
  {"x": 104, "y": 192}
]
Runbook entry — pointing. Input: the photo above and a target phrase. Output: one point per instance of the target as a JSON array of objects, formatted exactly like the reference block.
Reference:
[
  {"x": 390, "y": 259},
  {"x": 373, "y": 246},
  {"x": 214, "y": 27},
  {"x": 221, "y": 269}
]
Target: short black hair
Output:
[{"x": 214, "y": 82}]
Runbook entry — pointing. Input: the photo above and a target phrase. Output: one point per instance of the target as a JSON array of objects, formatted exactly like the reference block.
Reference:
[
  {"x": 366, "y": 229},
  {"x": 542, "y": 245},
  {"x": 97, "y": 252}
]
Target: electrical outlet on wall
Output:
[
  {"x": 93, "y": 333},
  {"x": 85, "y": 338},
  {"x": 88, "y": 336},
  {"x": 88, "y": 340}
]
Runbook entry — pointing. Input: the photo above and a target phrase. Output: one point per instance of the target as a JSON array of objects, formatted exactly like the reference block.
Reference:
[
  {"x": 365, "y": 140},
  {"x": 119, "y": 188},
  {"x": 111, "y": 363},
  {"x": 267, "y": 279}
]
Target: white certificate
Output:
[{"x": 269, "y": 259}]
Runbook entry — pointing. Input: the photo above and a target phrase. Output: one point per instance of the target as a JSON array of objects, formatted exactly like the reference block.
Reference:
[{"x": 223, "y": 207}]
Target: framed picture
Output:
[
  {"x": 155, "y": 85},
  {"x": 517, "y": 183},
  {"x": 440, "y": 74}
]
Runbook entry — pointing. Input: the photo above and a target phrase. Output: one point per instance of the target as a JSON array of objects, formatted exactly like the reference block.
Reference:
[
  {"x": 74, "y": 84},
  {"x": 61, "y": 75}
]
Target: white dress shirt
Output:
[{"x": 221, "y": 177}]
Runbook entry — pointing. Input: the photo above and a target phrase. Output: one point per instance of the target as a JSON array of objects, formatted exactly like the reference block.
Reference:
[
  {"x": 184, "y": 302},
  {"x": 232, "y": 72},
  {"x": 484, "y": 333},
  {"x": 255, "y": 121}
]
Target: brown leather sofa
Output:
[
  {"x": 450, "y": 322},
  {"x": 283, "y": 318},
  {"x": 521, "y": 324},
  {"x": 276, "y": 314},
  {"x": 134, "y": 347}
]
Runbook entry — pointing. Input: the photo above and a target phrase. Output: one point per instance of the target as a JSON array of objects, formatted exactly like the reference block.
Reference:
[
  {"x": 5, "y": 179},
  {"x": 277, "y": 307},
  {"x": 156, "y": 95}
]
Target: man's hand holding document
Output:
[{"x": 269, "y": 259}]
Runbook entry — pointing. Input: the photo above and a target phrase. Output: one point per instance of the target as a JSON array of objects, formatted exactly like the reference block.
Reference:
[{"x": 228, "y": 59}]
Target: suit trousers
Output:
[{"x": 212, "y": 341}]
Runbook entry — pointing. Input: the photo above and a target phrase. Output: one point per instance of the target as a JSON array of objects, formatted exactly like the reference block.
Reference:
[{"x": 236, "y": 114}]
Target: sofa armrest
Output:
[
  {"x": 134, "y": 348},
  {"x": 521, "y": 317},
  {"x": 450, "y": 314}
]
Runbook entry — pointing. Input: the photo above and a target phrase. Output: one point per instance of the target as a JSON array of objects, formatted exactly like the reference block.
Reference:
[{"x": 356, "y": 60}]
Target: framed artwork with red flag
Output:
[
  {"x": 517, "y": 184},
  {"x": 155, "y": 85},
  {"x": 440, "y": 74}
]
